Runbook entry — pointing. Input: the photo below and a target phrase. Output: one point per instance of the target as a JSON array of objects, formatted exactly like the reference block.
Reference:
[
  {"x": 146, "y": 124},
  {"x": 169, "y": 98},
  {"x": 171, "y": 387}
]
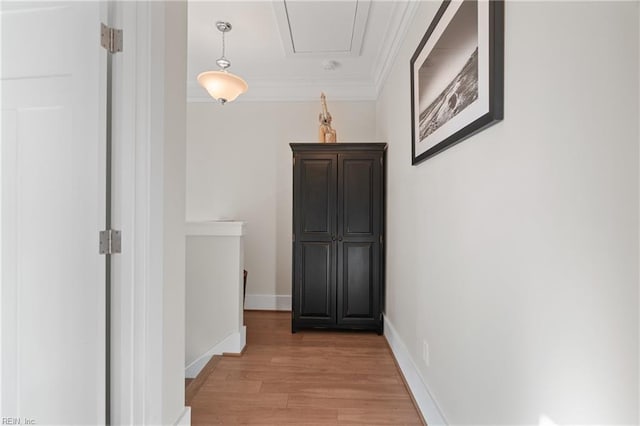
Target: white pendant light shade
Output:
[{"x": 222, "y": 85}]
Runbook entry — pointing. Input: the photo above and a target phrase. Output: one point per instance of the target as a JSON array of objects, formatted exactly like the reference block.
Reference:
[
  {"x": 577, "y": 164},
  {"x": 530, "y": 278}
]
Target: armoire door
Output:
[
  {"x": 359, "y": 222},
  {"x": 314, "y": 289}
]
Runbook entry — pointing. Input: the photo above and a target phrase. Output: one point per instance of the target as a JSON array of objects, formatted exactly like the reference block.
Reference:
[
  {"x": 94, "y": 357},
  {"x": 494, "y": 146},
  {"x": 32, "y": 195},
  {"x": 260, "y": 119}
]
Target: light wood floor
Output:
[{"x": 311, "y": 377}]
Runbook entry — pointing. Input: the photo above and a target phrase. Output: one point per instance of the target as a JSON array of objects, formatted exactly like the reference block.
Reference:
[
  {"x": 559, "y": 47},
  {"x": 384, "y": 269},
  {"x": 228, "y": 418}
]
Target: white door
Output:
[{"x": 52, "y": 293}]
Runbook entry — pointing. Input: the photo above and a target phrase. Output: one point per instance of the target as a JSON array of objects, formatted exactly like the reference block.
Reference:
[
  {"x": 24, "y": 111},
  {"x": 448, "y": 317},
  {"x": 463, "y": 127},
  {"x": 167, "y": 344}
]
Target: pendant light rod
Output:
[{"x": 223, "y": 27}]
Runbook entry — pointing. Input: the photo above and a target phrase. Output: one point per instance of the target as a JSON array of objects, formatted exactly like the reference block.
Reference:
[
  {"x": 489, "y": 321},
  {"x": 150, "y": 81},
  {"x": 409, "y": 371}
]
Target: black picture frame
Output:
[{"x": 455, "y": 93}]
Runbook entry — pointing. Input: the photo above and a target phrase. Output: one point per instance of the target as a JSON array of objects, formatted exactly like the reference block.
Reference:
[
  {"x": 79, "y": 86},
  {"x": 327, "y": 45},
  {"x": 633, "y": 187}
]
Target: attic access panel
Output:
[{"x": 319, "y": 28}]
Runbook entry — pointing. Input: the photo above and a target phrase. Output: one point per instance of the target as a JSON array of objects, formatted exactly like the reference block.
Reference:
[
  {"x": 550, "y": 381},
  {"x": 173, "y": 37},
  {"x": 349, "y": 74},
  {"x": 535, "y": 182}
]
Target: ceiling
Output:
[{"x": 295, "y": 49}]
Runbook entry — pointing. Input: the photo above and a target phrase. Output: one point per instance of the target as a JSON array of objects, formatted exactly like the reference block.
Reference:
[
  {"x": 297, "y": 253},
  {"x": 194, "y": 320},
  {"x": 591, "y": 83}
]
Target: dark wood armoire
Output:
[{"x": 338, "y": 235}]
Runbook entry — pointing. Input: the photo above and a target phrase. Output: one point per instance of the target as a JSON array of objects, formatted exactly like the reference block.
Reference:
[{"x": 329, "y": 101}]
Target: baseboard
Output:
[
  {"x": 233, "y": 343},
  {"x": 191, "y": 390},
  {"x": 268, "y": 302},
  {"x": 421, "y": 395},
  {"x": 185, "y": 418}
]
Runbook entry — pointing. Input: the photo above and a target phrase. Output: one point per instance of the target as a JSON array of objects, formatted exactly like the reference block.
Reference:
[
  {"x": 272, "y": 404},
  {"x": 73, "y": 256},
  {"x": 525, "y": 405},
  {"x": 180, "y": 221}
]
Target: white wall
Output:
[
  {"x": 214, "y": 278},
  {"x": 515, "y": 253},
  {"x": 212, "y": 292},
  {"x": 239, "y": 167}
]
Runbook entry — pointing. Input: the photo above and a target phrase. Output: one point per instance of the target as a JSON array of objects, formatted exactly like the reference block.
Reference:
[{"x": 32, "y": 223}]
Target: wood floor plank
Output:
[
  {"x": 276, "y": 416},
  {"x": 304, "y": 367},
  {"x": 242, "y": 386},
  {"x": 308, "y": 378},
  {"x": 218, "y": 374},
  {"x": 337, "y": 390},
  {"x": 299, "y": 401},
  {"x": 378, "y": 416},
  {"x": 208, "y": 403}
]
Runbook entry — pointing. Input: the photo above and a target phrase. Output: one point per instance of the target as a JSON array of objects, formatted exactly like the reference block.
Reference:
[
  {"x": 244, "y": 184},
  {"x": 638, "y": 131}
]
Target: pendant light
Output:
[{"x": 222, "y": 85}]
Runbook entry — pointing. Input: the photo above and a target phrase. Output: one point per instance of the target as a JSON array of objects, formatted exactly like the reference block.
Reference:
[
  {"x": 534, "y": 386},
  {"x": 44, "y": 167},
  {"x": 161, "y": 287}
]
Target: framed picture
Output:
[{"x": 457, "y": 75}]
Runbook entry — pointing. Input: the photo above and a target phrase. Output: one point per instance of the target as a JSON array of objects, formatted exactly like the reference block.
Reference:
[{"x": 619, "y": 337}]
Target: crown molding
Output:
[{"x": 401, "y": 18}]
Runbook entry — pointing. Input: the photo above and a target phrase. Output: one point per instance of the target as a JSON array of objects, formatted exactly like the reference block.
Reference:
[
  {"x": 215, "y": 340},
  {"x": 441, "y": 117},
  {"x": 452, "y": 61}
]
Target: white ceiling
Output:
[
  {"x": 294, "y": 49},
  {"x": 321, "y": 28}
]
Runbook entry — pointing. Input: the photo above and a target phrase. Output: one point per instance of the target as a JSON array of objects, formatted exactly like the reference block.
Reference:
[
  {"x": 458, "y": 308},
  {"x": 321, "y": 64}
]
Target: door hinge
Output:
[
  {"x": 110, "y": 242},
  {"x": 110, "y": 38},
  {"x": 293, "y": 238},
  {"x": 381, "y": 239}
]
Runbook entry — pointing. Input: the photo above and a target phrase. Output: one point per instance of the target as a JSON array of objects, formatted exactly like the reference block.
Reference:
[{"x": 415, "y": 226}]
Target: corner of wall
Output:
[
  {"x": 185, "y": 417},
  {"x": 421, "y": 395},
  {"x": 233, "y": 343}
]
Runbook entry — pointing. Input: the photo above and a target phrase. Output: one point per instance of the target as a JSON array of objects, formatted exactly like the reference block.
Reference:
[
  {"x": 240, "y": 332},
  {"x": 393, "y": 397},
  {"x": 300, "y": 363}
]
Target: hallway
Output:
[{"x": 311, "y": 377}]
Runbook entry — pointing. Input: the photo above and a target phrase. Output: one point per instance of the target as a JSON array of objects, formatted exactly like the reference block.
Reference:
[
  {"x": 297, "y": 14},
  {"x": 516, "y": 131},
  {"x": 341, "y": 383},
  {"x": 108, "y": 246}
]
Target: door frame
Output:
[
  {"x": 132, "y": 183},
  {"x": 138, "y": 366}
]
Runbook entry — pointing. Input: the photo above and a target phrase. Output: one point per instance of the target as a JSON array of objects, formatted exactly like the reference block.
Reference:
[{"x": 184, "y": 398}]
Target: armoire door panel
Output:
[
  {"x": 316, "y": 196},
  {"x": 316, "y": 298},
  {"x": 359, "y": 195},
  {"x": 358, "y": 280}
]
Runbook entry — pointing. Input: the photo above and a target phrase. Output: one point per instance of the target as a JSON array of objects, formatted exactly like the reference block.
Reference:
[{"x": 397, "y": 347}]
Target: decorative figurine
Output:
[{"x": 326, "y": 134}]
